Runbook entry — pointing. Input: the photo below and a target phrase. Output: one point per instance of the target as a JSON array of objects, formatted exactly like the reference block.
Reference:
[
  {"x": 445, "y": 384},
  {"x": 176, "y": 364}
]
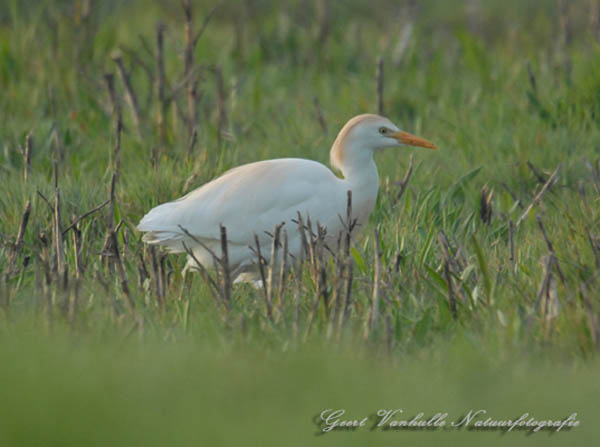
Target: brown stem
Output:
[
  {"x": 192, "y": 105},
  {"x": 129, "y": 94},
  {"x": 109, "y": 79},
  {"x": 225, "y": 267},
  {"x": 282, "y": 272},
  {"x": 27, "y": 157},
  {"x": 84, "y": 215},
  {"x": 23, "y": 226},
  {"x": 374, "y": 313},
  {"x": 379, "y": 80},
  {"x": 551, "y": 249},
  {"x": 539, "y": 196},
  {"x": 320, "y": 116},
  {"x": 405, "y": 180},
  {"x": 221, "y": 110},
  {"x": 58, "y": 238},
  {"x": 121, "y": 272},
  {"x": 273, "y": 262},
  {"x": 160, "y": 84},
  {"x": 261, "y": 268}
]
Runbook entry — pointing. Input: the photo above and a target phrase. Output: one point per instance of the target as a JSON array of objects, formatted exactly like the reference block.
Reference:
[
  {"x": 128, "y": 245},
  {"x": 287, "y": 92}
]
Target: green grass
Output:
[{"x": 177, "y": 373}]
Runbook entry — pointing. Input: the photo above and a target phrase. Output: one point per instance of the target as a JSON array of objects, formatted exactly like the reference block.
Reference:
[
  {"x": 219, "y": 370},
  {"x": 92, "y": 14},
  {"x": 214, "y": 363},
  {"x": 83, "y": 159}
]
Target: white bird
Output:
[{"x": 252, "y": 199}]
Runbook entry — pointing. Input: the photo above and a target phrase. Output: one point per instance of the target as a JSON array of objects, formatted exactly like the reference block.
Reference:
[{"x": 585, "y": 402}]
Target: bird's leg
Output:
[{"x": 185, "y": 283}]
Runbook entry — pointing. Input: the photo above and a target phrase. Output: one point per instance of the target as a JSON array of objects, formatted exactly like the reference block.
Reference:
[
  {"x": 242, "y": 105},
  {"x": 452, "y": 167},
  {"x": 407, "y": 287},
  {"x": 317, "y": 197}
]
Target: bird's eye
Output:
[{"x": 383, "y": 130}]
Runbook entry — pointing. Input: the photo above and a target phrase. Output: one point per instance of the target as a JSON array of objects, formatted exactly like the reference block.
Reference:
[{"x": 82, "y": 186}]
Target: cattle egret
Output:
[{"x": 252, "y": 199}]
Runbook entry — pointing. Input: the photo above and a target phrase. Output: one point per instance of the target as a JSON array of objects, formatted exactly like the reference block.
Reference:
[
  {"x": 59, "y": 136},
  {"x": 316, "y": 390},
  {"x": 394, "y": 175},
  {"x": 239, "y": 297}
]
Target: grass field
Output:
[{"x": 489, "y": 248}]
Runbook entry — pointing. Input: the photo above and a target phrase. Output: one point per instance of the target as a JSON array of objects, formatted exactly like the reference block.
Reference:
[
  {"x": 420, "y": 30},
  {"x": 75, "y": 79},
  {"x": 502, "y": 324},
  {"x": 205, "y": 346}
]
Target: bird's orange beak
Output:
[{"x": 412, "y": 140}]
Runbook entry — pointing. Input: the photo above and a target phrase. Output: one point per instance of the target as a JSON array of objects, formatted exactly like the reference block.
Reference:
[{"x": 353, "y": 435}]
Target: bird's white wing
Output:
[{"x": 248, "y": 200}]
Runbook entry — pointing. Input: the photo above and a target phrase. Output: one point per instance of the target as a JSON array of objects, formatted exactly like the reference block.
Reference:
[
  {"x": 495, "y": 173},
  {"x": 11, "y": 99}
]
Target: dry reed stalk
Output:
[
  {"x": 163, "y": 277},
  {"x": 373, "y": 315},
  {"x": 452, "y": 258},
  {"x": 349, "y": 224},
  {"x": 320, "y": 259},
  {"x": 148, "y": 70},
  {"x": 61, "y": 266},
  {"x": 320, "y": 116},
  {"x": 485, "y": 205},
  {"x": 346, "y": 268},
  {"x": 547, "y": 303},
  {"x": 107, "y": 249},
  {"x": 47, "y": 288},
  {"x": 23, "y": 225},
  {"x": 188, "y": 57},
  {"x": 130, "y": 95},
  {"x": 379, "y": 83},
  {"x": 345, "y": 315},
  {"x": 261, "y": 269},
  {"x": 341, "y": 262},
  {"x": 77, "y": 251},
  {"x": 121, "y": 272},
  {"x": 76, "y": 221},
  {"x": 313, "y": 250},
  {"x": 318, "y": 272},
  {"x": 404, "y": 182},
  {"x": 190, "y": 151},
  {"x": 303, "y": 241},
  {"x": 161, "y": 84},
  {"x": 221, "y": 99},
  {"x": 337, "y": 283},
  {"x": 538, "y": 175},
  {"x": 321, "y": 287},
  {"x": 205, "y": 23},
  {"x": 27, "y": 157},
  {"x": 159, "y": 292},
  {"x": 109, "y": 80},
  {"x": 142, "y": 271},
  {"x": 225, "y": 267},
  {"x": 117, "y": 148},
  {"x": 273, "y": 262},
  {"x": 110, "y": 220},
  {"x": 538, "y": 196},
  {"x": 551, "y": 249},
  {"x": 297, "y": 295},
  {"x": 16, "y": 247},
  {"x": 282, "y": 273}
]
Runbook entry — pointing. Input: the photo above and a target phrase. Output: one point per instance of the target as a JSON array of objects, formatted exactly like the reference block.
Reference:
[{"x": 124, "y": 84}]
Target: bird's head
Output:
[{"x": 363, "y": 134}]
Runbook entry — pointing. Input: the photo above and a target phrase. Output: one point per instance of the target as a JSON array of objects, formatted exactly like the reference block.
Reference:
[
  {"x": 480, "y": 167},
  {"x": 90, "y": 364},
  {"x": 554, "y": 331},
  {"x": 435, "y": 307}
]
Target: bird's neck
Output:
[
  {"x": 355, "y": 163},
  {"x": 361, "y": 177}
]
